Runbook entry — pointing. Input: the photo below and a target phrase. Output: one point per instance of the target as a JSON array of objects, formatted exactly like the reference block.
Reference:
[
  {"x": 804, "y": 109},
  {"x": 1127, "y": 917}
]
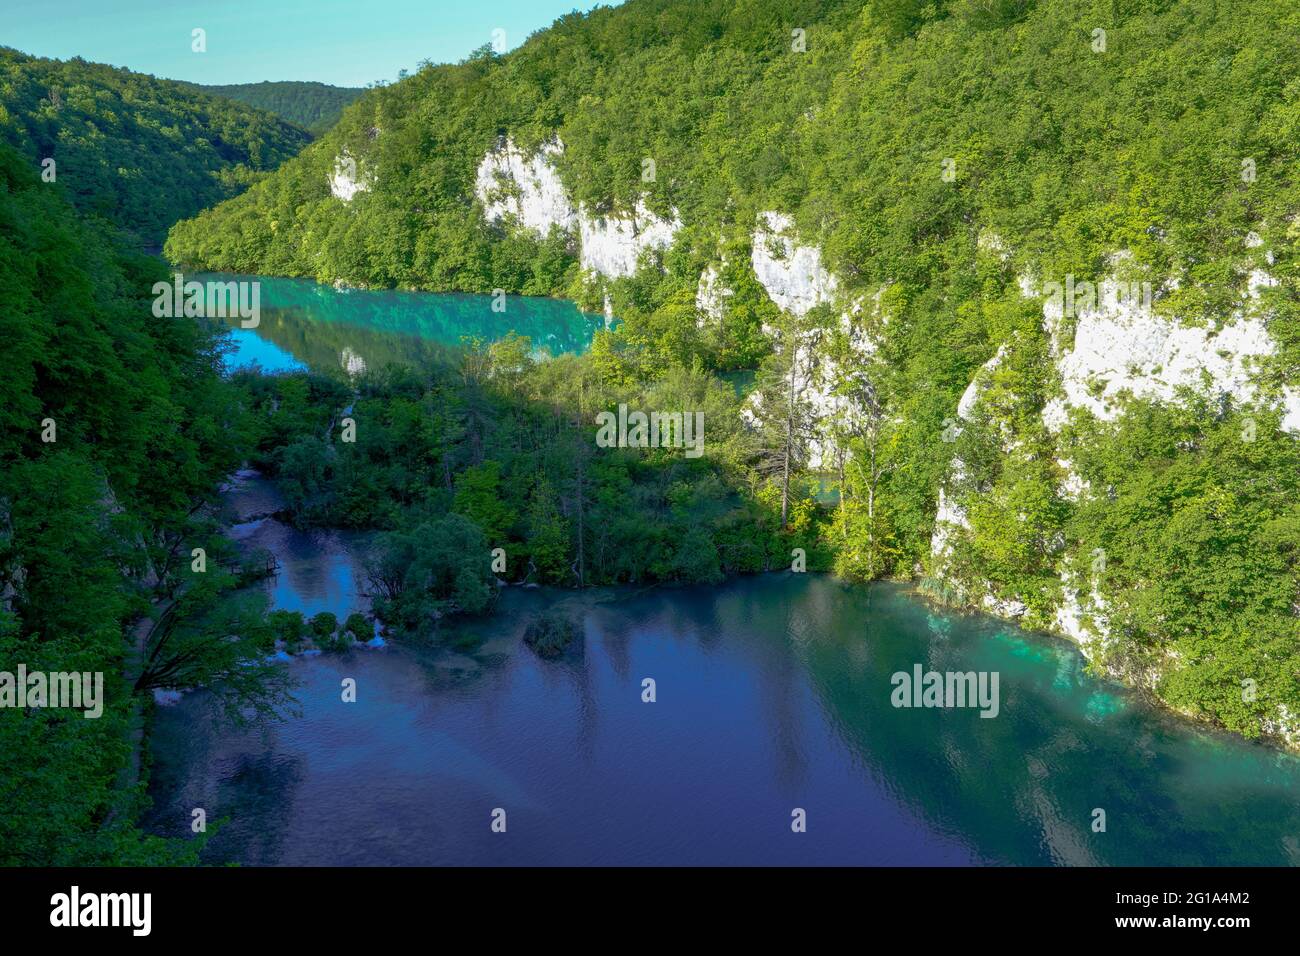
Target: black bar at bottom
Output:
[{"x": 266, "y": 905}]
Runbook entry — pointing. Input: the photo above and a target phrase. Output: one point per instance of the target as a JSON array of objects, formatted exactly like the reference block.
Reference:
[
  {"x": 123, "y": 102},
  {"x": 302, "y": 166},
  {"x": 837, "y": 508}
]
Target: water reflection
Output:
[
  {"x": 772, "y": 693},
  {"x": 305, "y": 324}
]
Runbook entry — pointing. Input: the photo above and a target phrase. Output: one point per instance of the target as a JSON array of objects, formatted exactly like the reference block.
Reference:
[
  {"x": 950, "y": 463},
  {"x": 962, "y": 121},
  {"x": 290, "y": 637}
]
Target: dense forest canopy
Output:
[
  {"x": 139, "y": 151},
  {"x": 117, "y": 428},
  {"x": 313, "y": 106},
  {"x": 849, "y": 136},
  {"x": 120, "y": 429}
]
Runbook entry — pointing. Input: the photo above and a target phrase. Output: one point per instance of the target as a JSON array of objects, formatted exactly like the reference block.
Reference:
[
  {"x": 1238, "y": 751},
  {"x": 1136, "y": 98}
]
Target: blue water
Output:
[
  {"x": 304, "y": 324},
  {"x": 251, "y": 350},
  {"x": 773, "y": 694}
]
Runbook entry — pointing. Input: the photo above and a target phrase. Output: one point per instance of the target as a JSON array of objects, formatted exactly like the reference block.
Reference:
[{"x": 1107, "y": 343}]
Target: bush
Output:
[
  {"x": 551, "y": 633},
  {"x": 323, "y": 626},
  {"x": 357, "y": 628},
  {"x": 289, "y": 627},
  {"x": 440, "y": 567}
]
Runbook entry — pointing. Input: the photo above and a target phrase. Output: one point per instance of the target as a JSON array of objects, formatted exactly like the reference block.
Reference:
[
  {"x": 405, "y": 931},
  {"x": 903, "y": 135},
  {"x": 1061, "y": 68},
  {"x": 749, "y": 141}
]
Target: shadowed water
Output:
[{"x": 773, "y": 693}]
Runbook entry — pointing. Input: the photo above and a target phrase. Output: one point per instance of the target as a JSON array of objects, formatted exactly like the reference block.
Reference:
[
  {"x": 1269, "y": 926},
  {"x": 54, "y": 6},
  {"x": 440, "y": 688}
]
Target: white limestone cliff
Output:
[
  {"x": 711, "y": 295},
  {"x": 351, "y": 362},
  {"x": 508, "y": 183},
  {"x": 612, "y": 245},
  {"x": 1122, "y": 348},
  {"x": 791, "y": 273},
  {"x": 346, "y": 181},
  {"x": 1086, "y": 625},
  {"x": 796, "y": 281},
  {"x": 951, "y": 516}
]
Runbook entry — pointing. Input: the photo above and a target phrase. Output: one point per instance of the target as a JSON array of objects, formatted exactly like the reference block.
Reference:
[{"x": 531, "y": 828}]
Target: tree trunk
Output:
[
  {"x": 871, "y": 518},
  {"x": 789, "y": 440},
  {"x": 582, "y": 457}
]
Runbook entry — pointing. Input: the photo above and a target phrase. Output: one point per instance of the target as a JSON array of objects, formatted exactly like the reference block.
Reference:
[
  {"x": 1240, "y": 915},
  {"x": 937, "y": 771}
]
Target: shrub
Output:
[{"x": 551, "y": 633}]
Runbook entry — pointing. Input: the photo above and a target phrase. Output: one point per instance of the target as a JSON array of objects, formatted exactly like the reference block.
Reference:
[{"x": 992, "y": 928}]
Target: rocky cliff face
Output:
[
  {"x": 529, "y": 189},
  {"x": 950, "y": 517},
  {"x": 791, "y": 272},
  {"x": 1109, "y": 344},
  {"x": 508, "y": 183},
  {"x": 711, "y": 295},
  {"x": 795, "y": 280},
  {"x": 347, "y": 180},
  {"x": 612, "y": 246},
  {"x": 1122, "y": 348}
]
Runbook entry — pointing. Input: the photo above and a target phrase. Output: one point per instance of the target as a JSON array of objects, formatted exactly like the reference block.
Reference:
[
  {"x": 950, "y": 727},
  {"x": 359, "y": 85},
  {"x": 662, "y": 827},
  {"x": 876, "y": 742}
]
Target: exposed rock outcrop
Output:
[
  {"x": 529, "y": 189},
  {"x": 711, "y": 294},
  {"x": 347, "y": 180},
  {"x": 796, "y": 281},
  {"x": 1110, "y": 345},
  {"x": 791, "y": 273},
  {"x": 612, "y": 245},
  {"x": 508, "y": 183},
  {"x": 952, "y": 516},
  {"x": 1121, "y": 347}
]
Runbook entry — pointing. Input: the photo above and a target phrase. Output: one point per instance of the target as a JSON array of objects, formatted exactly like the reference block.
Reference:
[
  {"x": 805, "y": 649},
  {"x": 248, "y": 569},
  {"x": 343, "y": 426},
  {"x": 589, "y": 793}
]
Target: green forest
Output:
[
  {"x": 138, "y": 151},
  {"x": 899, "y": 135},
  {"x": 313, "y": 106},
  {"x": 117, "y": 430}
]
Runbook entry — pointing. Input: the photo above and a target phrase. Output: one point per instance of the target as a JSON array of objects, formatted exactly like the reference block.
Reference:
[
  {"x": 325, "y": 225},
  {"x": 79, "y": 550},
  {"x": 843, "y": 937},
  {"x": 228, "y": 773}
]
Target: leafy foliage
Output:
[
  {"x": 313, "y": 106},
  {"x": 936, "y": 152},
  {"x": 117, "y": 429},
  {"x": 138, "y": 151}
]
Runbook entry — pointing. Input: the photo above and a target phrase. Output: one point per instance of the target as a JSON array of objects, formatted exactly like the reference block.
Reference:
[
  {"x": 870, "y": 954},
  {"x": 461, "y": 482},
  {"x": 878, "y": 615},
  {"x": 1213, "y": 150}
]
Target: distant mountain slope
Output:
[
  {"x": 140, "y": 151},
  {"x": 313, "y": 106}
]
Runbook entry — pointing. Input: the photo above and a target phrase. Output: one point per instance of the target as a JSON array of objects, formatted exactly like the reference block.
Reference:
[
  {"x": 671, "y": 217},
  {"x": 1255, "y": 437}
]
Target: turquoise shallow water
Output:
[
  {"x": 773, "y": 693},
  {"x": 303, "y": 323}
]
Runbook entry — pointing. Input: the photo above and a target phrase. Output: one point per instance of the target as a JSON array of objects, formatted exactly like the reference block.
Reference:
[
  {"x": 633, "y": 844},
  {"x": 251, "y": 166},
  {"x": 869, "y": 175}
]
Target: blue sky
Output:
[{"x": 344, "y": 42}]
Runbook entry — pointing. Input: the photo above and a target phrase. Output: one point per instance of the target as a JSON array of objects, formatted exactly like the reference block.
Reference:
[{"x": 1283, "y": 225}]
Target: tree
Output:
[
  {"x": 548, "y": 533},
  {"x": 479, "y": 498},
  {"x": 782, "y": 409},
  {"x": 439, "y": 567}
]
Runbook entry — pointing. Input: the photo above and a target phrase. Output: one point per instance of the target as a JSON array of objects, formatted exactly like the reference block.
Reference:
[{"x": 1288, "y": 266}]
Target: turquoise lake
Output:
[{"x": 303, "y": 323}]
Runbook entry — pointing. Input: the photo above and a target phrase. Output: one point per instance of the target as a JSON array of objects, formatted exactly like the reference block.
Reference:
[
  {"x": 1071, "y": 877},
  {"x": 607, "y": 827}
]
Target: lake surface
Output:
[
  {"x": 305, "y": 324},
  {"x": 773, "y": 693}
]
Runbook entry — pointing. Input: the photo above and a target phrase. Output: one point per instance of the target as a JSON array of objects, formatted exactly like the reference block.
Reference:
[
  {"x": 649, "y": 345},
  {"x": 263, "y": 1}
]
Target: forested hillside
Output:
[
  {"x": 139, "y": 151},
  {"x": 876, "y": 207},
  {"x": 313, "y": 106},
  {"x": 117, "y": 430}
]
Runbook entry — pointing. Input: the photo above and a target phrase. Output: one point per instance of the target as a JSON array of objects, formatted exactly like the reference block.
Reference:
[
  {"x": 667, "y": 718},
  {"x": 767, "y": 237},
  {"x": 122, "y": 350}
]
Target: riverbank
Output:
[{"x": 1284, "y": 737}]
